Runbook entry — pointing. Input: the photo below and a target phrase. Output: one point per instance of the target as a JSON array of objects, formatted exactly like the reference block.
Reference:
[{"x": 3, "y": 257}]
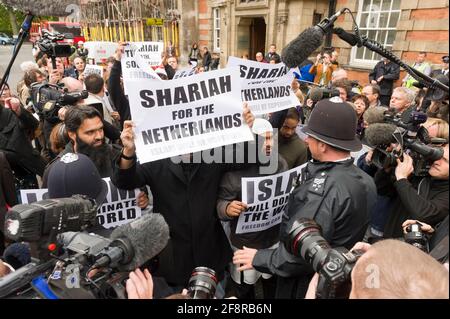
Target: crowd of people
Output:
[{"x": 201, "y": 202}]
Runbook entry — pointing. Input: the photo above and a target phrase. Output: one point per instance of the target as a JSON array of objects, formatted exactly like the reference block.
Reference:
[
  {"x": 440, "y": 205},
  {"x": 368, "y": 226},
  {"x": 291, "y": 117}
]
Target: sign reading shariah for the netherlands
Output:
[
  {"x": 187, "y": 115},
  {"x": 265, "y": 87}
]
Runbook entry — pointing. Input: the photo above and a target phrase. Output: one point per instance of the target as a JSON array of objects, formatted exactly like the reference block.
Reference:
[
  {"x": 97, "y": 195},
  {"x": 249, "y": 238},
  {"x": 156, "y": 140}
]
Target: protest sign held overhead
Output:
[
  {"x": 266, "y": 87},
  {"x": 187, "y": 115},
  {"x": 93, "y": 69},
  {"x": 266, "y": 198},
  {"x": 120, "y": 206},
  {"x": 140, "y": 59}
]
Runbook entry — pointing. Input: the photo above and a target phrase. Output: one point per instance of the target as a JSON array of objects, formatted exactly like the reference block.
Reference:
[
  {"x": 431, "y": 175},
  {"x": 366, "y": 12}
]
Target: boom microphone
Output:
[
  {"x": 351, "y": 39},
  {"x": 299, "y": 49},
  {"x": 380, "y": 134},
  {"x": 375, "y": 114},
  {"x": 60, "y": 8},
  {"x": 135, "y": 243}
]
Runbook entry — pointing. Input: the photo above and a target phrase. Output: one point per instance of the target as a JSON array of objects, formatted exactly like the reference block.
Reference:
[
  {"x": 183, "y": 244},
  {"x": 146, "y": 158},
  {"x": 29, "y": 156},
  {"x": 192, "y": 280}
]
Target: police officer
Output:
[{"x": 331, "y": 191}]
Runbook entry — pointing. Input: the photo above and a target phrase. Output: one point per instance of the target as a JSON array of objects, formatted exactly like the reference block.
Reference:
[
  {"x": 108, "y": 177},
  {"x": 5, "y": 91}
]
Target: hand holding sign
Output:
[
  {"x": 248, "y": 116},
  {"x": 127, "y": 138},
  {"x": 244, "y": 258},
  {"x": 120, "y": 50},
  {"x": 235, "y": 208}
]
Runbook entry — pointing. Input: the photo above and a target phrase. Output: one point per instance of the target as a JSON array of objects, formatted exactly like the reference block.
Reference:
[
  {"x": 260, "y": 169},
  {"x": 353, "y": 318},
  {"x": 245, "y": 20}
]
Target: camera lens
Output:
[
  {"x": 305, "y": 241},
  {"x": 202, "y": 284}
]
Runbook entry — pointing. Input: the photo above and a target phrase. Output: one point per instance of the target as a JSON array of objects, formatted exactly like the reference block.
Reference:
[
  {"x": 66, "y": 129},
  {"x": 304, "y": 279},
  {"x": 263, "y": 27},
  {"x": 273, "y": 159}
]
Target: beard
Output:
[{"x": 99, "y": 155}]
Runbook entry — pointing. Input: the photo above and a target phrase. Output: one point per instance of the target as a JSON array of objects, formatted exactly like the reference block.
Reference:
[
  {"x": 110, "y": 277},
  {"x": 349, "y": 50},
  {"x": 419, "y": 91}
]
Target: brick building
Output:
[{"x": 237, "y": 27}]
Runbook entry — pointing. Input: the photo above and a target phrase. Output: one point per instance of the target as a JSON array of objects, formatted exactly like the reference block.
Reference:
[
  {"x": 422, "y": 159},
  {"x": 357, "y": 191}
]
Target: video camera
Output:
[
  {"x": 67, "y": 276},
  {"x": 413, "y": 139},
  {"x": 317, "y": 94},
  {"x": 334, "y": 265},
  {"x": 68, "y": 258},
  {"x": 48, "y": 99},
  {"x": 48, "y": 44}
]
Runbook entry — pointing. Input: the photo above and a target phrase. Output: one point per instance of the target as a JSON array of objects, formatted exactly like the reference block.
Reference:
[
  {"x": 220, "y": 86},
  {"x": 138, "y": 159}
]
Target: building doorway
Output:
[
  {"x": 251, "y": 36},
  {"x": 257, "y": 37}
]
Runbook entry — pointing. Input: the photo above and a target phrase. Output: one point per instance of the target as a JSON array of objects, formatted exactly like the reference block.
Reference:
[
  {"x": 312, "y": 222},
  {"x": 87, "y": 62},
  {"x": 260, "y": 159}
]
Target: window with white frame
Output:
[
  {"x": 216, "y": 14},
  {"x": 377, "y": 19}
]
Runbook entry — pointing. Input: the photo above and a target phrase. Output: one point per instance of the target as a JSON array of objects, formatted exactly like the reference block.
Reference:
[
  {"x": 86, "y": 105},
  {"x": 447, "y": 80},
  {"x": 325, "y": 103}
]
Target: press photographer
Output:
[
  {"x": 391, "y": 269},
  {"x": 423, "y": 198}
]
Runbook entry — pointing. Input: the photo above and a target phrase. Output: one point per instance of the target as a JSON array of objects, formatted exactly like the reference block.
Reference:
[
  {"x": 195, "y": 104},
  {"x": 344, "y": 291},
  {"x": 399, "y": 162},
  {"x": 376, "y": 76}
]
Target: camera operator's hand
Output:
[
  {"x": 54, "y": 77},
  {"x": 309, "y": 103},
  {"x": 312, "y": 288},
  {"x": 319, "y": 58},
  {"x": 244, "y": 258},
  {"x": 13, "y": 104},
  {"x": 404, "y": 168},
  {"x": 381, "y": 78},
  {"x": 81, "y": 77},
  {"x": 140, "y": 285},
  {"x": 424, "y": 227},
  {"x": 361, "y": 246},
  {"x": 142, "y": 200},
  {"x": 369, "y": 157},
  {"x": 62, "y": 113},
  {"x": 235, "y": 208},
  {"x": 248, "y": 116}
]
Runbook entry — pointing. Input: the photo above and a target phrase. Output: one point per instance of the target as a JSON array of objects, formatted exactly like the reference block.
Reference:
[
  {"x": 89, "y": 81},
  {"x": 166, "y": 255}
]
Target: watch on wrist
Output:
[{"x": 128, "y": 158}]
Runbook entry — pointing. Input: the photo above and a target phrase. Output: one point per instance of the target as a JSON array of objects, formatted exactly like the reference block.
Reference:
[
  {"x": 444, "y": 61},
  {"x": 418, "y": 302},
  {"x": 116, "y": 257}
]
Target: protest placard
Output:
[
  {"x": 93, "y": 69},
  {"x": 266, "y": 87},
  {"x": 120, "y": 206},
  {"x": 100, "y": 51},
  {"x": 187, "y": 115},
  {"x": 140, "y": 58},
  {"x": 266, "y": 198}
]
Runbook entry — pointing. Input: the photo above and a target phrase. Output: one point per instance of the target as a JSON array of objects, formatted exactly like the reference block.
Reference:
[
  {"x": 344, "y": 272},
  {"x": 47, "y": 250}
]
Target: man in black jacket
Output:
[
  {"x": 332, "y": 191},
  {"x": 15, "y": 122},
  {"x": 420, "y": 198},
  {"x": 185, "y": 194},
  {"x": 384, "y": 74}
]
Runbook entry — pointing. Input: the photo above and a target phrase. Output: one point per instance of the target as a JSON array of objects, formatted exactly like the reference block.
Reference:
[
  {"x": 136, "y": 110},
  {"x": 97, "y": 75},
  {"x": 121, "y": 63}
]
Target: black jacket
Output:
[
  {"x": 117, "y": 95},
  {"x": 15, "y": 143},
  {"x": 424, "y": 199},
  {"x": 339, "y": 197},
  {"x": 185, "y": 194},
  {"x": 390, "y": 72}
]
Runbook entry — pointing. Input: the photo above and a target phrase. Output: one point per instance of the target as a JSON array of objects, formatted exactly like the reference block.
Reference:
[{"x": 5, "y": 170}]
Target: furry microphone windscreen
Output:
[
  {"x": 302, "y": 47},
  {"x": 148, "y": 235}
]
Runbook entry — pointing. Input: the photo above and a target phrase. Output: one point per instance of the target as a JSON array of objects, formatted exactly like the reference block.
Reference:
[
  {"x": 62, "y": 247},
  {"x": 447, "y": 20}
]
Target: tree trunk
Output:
[{"x": 12, "y": 19}]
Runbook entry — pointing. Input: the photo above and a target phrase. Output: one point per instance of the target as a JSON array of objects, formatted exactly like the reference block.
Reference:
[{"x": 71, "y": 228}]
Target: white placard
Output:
[
  {"x": 266, "y": 198},
  {"x": 187, "y": 115}
]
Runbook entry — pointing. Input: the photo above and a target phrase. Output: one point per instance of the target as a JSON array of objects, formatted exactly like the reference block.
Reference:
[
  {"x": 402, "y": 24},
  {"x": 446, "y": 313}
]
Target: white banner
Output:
[
  {"x": 99, "y": 51},
  {"x": 266, "y": 198},
  {"x": 140, "y": 58},
  {"x": 265, "y": 87},
  {"x": 93, "y": 69},
  {"x": 187, "y": 115},
  {"x": 120, "y": 206}
]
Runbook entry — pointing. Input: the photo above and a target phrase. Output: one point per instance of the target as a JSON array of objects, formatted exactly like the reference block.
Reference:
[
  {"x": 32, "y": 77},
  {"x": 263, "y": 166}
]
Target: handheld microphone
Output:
[
  {"x": 380, "y": 134},
  {"x": 135, "y": 243},
  {"x": 61, "y": 8},
  {"x": 299, "y": 49}
]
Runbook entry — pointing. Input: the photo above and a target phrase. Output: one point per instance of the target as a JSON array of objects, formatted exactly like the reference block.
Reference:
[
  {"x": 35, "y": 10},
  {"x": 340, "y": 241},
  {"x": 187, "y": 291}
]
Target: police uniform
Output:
[{"x": 337, "y": 195}]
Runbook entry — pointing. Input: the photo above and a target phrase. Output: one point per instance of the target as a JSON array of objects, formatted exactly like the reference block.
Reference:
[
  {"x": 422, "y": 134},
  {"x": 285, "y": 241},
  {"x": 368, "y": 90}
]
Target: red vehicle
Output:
[{"x": 62, "y": 27}]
